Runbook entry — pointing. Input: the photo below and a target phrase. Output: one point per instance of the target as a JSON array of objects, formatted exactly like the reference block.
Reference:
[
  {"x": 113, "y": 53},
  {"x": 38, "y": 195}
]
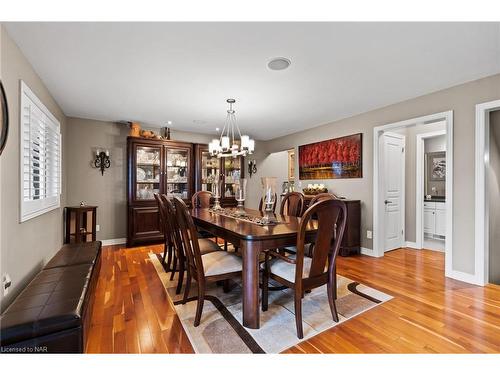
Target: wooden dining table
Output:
[{"x": 252, "y": 239}]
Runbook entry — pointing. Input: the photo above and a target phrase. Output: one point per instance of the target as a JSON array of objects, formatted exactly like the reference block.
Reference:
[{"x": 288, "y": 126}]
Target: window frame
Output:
[{"x": 35, "y": 207}]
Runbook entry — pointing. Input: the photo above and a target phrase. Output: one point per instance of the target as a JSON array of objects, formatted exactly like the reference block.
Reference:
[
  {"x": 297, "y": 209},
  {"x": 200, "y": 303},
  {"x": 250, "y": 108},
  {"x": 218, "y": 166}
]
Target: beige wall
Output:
[
  {"x": 24, "y": 247},
  {"x": 461, "y": 100},
  {"x": 85, "y": 183},
  {"x": 494, "y": 199}
]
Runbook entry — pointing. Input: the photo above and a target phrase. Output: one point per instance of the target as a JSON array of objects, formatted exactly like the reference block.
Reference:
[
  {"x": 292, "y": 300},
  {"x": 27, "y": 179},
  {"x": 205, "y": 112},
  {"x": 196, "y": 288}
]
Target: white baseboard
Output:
[
  {"x": 114, "y": 241},
  {"x": 465, "y": 277},
  {"x": 413, "y": 245},
  {"x": 369, "y": 252}
]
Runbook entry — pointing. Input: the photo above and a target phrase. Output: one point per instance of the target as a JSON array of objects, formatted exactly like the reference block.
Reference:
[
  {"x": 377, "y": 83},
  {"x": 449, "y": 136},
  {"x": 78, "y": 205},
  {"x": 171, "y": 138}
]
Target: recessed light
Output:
[
  {"x": 279, "y": 63},
  {"x": 217, "y": 129},
  {"x": 169, "y": 122}
]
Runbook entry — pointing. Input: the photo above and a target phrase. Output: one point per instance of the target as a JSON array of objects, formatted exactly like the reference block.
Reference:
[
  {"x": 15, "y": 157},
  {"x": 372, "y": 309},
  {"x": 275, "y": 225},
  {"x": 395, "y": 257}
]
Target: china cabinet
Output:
[
  {"x": 154, "y": 166},
  {"x": 209, "y": 168}
]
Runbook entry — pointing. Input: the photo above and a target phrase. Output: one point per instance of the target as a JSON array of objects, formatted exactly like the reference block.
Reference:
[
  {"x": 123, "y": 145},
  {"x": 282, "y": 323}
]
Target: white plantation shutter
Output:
[{"x": 40, "y": 157}]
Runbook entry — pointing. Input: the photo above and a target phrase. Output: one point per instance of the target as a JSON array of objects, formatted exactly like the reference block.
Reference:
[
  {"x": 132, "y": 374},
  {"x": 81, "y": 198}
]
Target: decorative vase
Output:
[{"x": 135, "y": 129}]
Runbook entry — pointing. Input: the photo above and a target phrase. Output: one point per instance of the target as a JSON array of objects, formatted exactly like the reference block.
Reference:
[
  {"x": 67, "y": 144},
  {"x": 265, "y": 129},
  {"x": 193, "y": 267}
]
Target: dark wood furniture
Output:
[
  {"x": 252, "y": 239},
  {"x": 155, "y": 166},
  {"x": 292, "y": 204},
  {"x": 52, "y": 314},
  {"x": 80, "y": 224},
  {"x": 351, "y": 242},
  {"x": 302, "y": 273},
  {"x": 201, "y": 199},
  {"x": 203, "y": 267},
  {"x": 208, "y": 168}
]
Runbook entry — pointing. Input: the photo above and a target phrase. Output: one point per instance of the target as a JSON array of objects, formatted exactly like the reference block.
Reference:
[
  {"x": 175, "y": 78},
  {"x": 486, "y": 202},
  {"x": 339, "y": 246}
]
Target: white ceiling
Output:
[{"x": 154, "y": 72}]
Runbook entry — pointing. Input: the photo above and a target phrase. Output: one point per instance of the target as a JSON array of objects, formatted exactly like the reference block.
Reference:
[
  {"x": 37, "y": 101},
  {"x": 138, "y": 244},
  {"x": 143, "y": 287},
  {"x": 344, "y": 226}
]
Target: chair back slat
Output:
[
  {"x": 331, "y": 215},
  {"x": 173, "y": 227},
  {"x": 189, "y": 236},
  {"x": 292, "y": 204},
  {"x": 201, "y": 199}
]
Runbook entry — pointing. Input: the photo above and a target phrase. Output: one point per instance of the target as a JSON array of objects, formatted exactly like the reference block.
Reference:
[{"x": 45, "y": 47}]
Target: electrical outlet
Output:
[
  {"x": 97, "y": 227},
  {"x": 6, "y": 284},
  {"x": 369, "y": 234}
]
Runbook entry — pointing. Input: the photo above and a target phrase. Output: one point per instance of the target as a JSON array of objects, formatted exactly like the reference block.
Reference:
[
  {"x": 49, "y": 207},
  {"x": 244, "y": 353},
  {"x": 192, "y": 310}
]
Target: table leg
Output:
[{"x": 250, "y": 251}]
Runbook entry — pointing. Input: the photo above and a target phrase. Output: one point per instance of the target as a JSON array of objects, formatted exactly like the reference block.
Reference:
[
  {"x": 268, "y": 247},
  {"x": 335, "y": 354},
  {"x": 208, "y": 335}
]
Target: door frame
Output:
[
  {"x": 481, "y": 241},
  {"x": 377, "y": 208},
  {"x": 403, "y": 186},
  {"x": 419, "y": 187}
]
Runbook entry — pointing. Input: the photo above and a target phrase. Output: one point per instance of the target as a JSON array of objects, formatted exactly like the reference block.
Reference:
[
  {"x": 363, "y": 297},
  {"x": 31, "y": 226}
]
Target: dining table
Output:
[{"x": 252, "y": 239}]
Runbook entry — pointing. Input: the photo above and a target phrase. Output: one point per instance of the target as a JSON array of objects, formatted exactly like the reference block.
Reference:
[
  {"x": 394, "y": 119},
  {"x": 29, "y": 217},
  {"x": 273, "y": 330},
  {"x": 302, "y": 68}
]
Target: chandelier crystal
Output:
[{"x": 228, "y": 145}]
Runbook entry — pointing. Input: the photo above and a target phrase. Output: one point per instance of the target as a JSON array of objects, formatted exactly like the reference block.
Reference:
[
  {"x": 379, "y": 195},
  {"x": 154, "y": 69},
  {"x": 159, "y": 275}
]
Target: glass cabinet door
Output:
[
  {"x": 148, "y": 172},
  {"x": 232, "y": 173},
  {"x": 178, "y": 173},
  {"x": 210, "y": 171}
]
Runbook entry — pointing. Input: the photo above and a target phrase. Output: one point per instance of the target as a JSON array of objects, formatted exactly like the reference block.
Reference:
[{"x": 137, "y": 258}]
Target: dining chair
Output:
[
  {"x": 204, "y": 268},
  {"x": 292, "y": 204},
  {"x": 261, "y": 203},
  {"x": 206, "y": 246},
  {"x": 301, "y": 273},
  {"x": 165, "y": 227},
  {"x": 201, "y": 199}
]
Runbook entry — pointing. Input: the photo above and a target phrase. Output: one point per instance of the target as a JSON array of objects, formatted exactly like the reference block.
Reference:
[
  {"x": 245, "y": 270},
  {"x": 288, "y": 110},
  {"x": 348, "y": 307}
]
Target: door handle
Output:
[{"x": 386, "y": 201}]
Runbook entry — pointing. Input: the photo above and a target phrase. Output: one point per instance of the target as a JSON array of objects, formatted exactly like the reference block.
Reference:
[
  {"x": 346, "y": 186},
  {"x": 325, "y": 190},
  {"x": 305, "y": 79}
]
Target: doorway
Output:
[
  {"x": 414, "y": 201},
  {"x": 487, "y": 252}
]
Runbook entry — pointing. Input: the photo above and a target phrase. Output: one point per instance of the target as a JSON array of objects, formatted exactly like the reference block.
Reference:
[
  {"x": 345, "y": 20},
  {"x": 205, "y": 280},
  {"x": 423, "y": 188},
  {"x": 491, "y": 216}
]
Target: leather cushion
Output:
[
  {"x": 220, "y": 262},
  {"x": 73, "y": 254},
  {"x": 52, "y": 302}
]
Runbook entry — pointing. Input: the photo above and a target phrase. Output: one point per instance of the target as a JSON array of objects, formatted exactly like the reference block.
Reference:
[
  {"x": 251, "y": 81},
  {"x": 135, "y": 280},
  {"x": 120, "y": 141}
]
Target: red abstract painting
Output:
[{"x": 335, "y": 158}]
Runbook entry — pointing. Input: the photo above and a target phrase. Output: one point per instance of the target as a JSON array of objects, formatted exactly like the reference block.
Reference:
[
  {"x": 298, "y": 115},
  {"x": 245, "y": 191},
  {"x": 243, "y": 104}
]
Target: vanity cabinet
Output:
[{"x": 435, "y": 219}]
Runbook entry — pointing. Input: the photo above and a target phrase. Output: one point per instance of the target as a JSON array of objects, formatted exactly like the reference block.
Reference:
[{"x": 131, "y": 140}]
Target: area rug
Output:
[{"x": 221, "y": 329}]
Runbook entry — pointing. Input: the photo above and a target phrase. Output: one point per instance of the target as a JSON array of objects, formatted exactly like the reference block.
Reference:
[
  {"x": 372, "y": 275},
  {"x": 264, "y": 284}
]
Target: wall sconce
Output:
[
  {"x": 102, "y": 160},
  {"x": 252, "y": 167}
]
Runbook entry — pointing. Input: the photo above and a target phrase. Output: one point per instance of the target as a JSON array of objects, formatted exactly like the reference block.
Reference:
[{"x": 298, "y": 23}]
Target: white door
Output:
[{"x": 393, "y": 165}]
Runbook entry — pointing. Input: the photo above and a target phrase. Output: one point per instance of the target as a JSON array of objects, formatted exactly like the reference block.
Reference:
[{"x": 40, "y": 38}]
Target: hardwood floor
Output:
[{"x": 428, "y": 314}]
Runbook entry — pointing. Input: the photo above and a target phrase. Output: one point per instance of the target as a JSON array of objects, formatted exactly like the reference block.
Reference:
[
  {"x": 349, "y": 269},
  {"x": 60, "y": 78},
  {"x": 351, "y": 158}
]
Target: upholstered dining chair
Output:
[
  {"x": 206, "y": 246},
  {"x": 308, "y": 248},
  {"x": 204, "y": 268},
  {"x": 201, "y": 199},
  {"x": 301, "y": 273},
  {"x": 292, "y": 204},
  {"x": 167, "y": 238},
  {"x": 261, "y": 203}
]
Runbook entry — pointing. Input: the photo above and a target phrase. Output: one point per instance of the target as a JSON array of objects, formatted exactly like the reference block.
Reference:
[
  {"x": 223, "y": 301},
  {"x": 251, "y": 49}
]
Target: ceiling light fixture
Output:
[
  {"x": 227, "y": 145},
  {"x": 169, "y": 122},
  {"x": 279, "y": 63}
]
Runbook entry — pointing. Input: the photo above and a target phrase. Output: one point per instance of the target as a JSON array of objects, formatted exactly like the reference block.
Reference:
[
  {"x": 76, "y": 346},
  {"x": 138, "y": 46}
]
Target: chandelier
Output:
[{"x": 227, "y": 145}]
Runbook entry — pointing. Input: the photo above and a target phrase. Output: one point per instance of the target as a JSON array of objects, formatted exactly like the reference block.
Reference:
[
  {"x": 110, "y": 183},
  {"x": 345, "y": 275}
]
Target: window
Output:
[{"x": 40, "y": 157}]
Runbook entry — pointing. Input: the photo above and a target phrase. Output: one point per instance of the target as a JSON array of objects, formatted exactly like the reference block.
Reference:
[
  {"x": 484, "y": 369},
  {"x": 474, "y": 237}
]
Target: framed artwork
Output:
[
  {"x": 291, "y": 164},
  {"x": 334, "y": 158},
  {"x": 436, "y": 165},
  {"x": 4, "y": 118}
]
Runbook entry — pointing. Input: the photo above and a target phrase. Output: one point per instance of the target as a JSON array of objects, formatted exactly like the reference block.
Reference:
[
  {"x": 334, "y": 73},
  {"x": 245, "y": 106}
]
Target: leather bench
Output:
[{"x": 52, "y": 314}]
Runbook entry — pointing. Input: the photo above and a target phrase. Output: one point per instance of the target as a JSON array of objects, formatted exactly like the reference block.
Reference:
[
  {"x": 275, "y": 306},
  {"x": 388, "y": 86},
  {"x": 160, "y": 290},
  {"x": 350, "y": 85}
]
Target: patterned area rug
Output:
[{"x": 221, "y": 329}]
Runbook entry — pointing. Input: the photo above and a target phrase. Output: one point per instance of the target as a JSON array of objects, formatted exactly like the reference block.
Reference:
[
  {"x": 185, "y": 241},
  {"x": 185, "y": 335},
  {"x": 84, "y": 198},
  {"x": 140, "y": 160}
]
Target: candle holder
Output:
[
  {"x": 268, "y": 199},
  {"x": 240, "y": 194},
  {"x": 102, "y": 160},
  {"x": 216, "y": 191}
]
